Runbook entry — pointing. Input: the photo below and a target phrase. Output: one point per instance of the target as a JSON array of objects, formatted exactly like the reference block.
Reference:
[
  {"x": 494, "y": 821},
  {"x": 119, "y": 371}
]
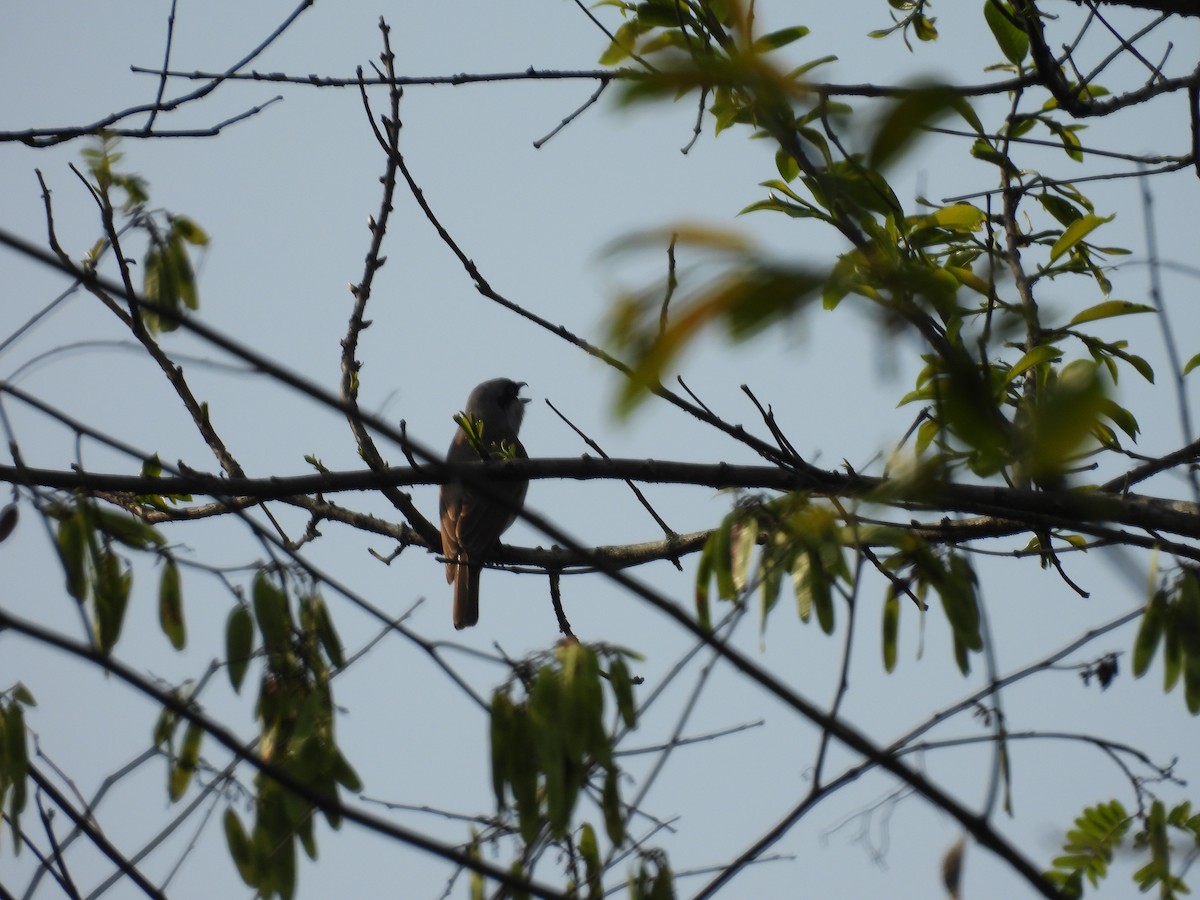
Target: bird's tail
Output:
[{"x": 466, "y": 596}]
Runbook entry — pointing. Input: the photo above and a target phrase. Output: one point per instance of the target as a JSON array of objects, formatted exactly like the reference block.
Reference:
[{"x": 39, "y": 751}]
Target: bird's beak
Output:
[{"x": 521, "y": 384}]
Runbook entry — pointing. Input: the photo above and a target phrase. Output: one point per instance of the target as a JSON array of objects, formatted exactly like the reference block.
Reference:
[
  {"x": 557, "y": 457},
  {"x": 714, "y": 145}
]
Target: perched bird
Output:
[{"x": 472, "y": 522}]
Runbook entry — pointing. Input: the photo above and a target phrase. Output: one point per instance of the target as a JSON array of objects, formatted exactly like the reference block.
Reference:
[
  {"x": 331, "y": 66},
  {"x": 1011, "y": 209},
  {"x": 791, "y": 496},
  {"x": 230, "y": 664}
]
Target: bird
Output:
[{"x": 471, "y": 520}]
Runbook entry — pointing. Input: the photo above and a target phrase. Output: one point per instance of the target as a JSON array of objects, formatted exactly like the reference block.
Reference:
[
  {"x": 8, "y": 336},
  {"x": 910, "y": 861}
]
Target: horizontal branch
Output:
[
  {"x": 1066, "y": 509},
  {"x": 1171, "y": 7},
  {"x": 535, "y": 74},
  {"x": 353, "y": 81}
]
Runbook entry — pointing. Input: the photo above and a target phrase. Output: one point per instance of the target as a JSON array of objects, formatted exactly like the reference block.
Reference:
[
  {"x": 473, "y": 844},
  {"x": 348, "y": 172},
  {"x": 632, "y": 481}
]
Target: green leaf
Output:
[
  {"x": 170, "y": 606},
  {"x": 961, "y": 603},
  {"x": 1149, "y": 633},
  {"x": 722, "y": 560},
  {"x": 524, "y": 774},
  {"x": 891, "y": 628},
  {"x": 1173, "y": 655},
  {"x": 1191, "y": 684},
  {"x": 14, "y": 767},
  {"x": 983, "y": 150},
  {"x": 663, "y": 887},
  {"x": 820, "y": 586},
  {"x": 622, "y": 43},
  {"x": 1035, "y": 357},
  {"x": 1143, "y": 367},
  {"x": 774, "y": 563},
  {"x": 344, "y": 773},
  {"x": 1089, "y": 846},
  {"x": 1012, "y": 41},
  {"x": 502, "y": 734},
  {"x": 1120, "y": 416},
  {"x": 923, "y": 28},
  {"x": 110, "y": 591},
  {"x": 1108, "y": 309},
  {"x": 186, "y": 229},
  {"x": 1076, "y": 232},
  {"x": 780, "y": 38},
  {"x": 271, "y": 613},
  {"x": 546, "y": 712},
  {"x": 160, "y": 289},
  {"x": 185, "y": 277},
  {"x": 704, "y": 571},
  {"x": 128, "y": 530},
  {"x": 22, "y": 695},
  {"x": 786, "y": 165},
  {"x": 1061, "y": 209},
  {"x": 614, "y": 821},
  {"x": 589, "y": 849},
  {"x": 239, "y": 642},
  {"x": 8, "y": 520},
  {"x": 1066, "y": 134},
  {"x": 152, "y": 467},
  {"x": 804, "y": 68},
  {"x": 661, "y": 13},
  {"x": 1192, "y": 363},
  {"x": 957, "y": 217},
  {"x": 15, "y": 752},
  {"x": 800, "y": 585},
  {"x": 743, "y": 542},
  {"x": 1064, "y": 417},
  {"x": 74, "y": 533},
  {"x": 622, "y": 686},
  {"x": 327, "y": 633},
  {"x": 164, "y": 726},
  {"x": 185, "y": 763}
]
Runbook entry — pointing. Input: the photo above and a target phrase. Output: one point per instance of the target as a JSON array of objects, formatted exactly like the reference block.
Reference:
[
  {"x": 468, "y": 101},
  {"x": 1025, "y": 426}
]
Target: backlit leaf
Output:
[
  {"x": 239, "y": 642},
  {"x": 1035, "y": 357},
  {"x": 170, "y": 606},
  {"x": 1012, "y": 41},
  {"x": 1076, "y": 232},
  {"x": 780, "y": 38},
  {"x": 185, "y": 763},
  {"x": 891, "y": 627},
  {"x": 1108, "y": 309}
]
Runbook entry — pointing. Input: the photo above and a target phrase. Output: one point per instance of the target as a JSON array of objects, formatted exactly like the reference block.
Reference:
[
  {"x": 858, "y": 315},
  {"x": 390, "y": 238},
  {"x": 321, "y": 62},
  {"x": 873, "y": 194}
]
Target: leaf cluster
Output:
[
  {"x": 100, "y": 579},
  {"x": 14, "y": 757},
  {"x": 1100, "y": 830},
  {"x": 1003, "y": 395},
  {"x": 296, "y": 718},
  {"x": 168, "y": 275},
  {"x": 762, "y": 542},
  {"x": 487, "y": 449},
  {"x": 1172, "y": 622},
  {"x": 552, "y": 743}
]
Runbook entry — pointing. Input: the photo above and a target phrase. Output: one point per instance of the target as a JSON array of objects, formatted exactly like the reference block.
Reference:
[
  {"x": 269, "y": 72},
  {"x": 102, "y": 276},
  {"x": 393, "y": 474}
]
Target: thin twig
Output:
[
  {"x": 669, "y": 532},
  {"x": 540, "y": 142},
  {"x": 1168, "y": 334},
  {"x": 162, "y": 79},
  {"x": 564, "y": 626},
  {"x": 48, "y": 137}
]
